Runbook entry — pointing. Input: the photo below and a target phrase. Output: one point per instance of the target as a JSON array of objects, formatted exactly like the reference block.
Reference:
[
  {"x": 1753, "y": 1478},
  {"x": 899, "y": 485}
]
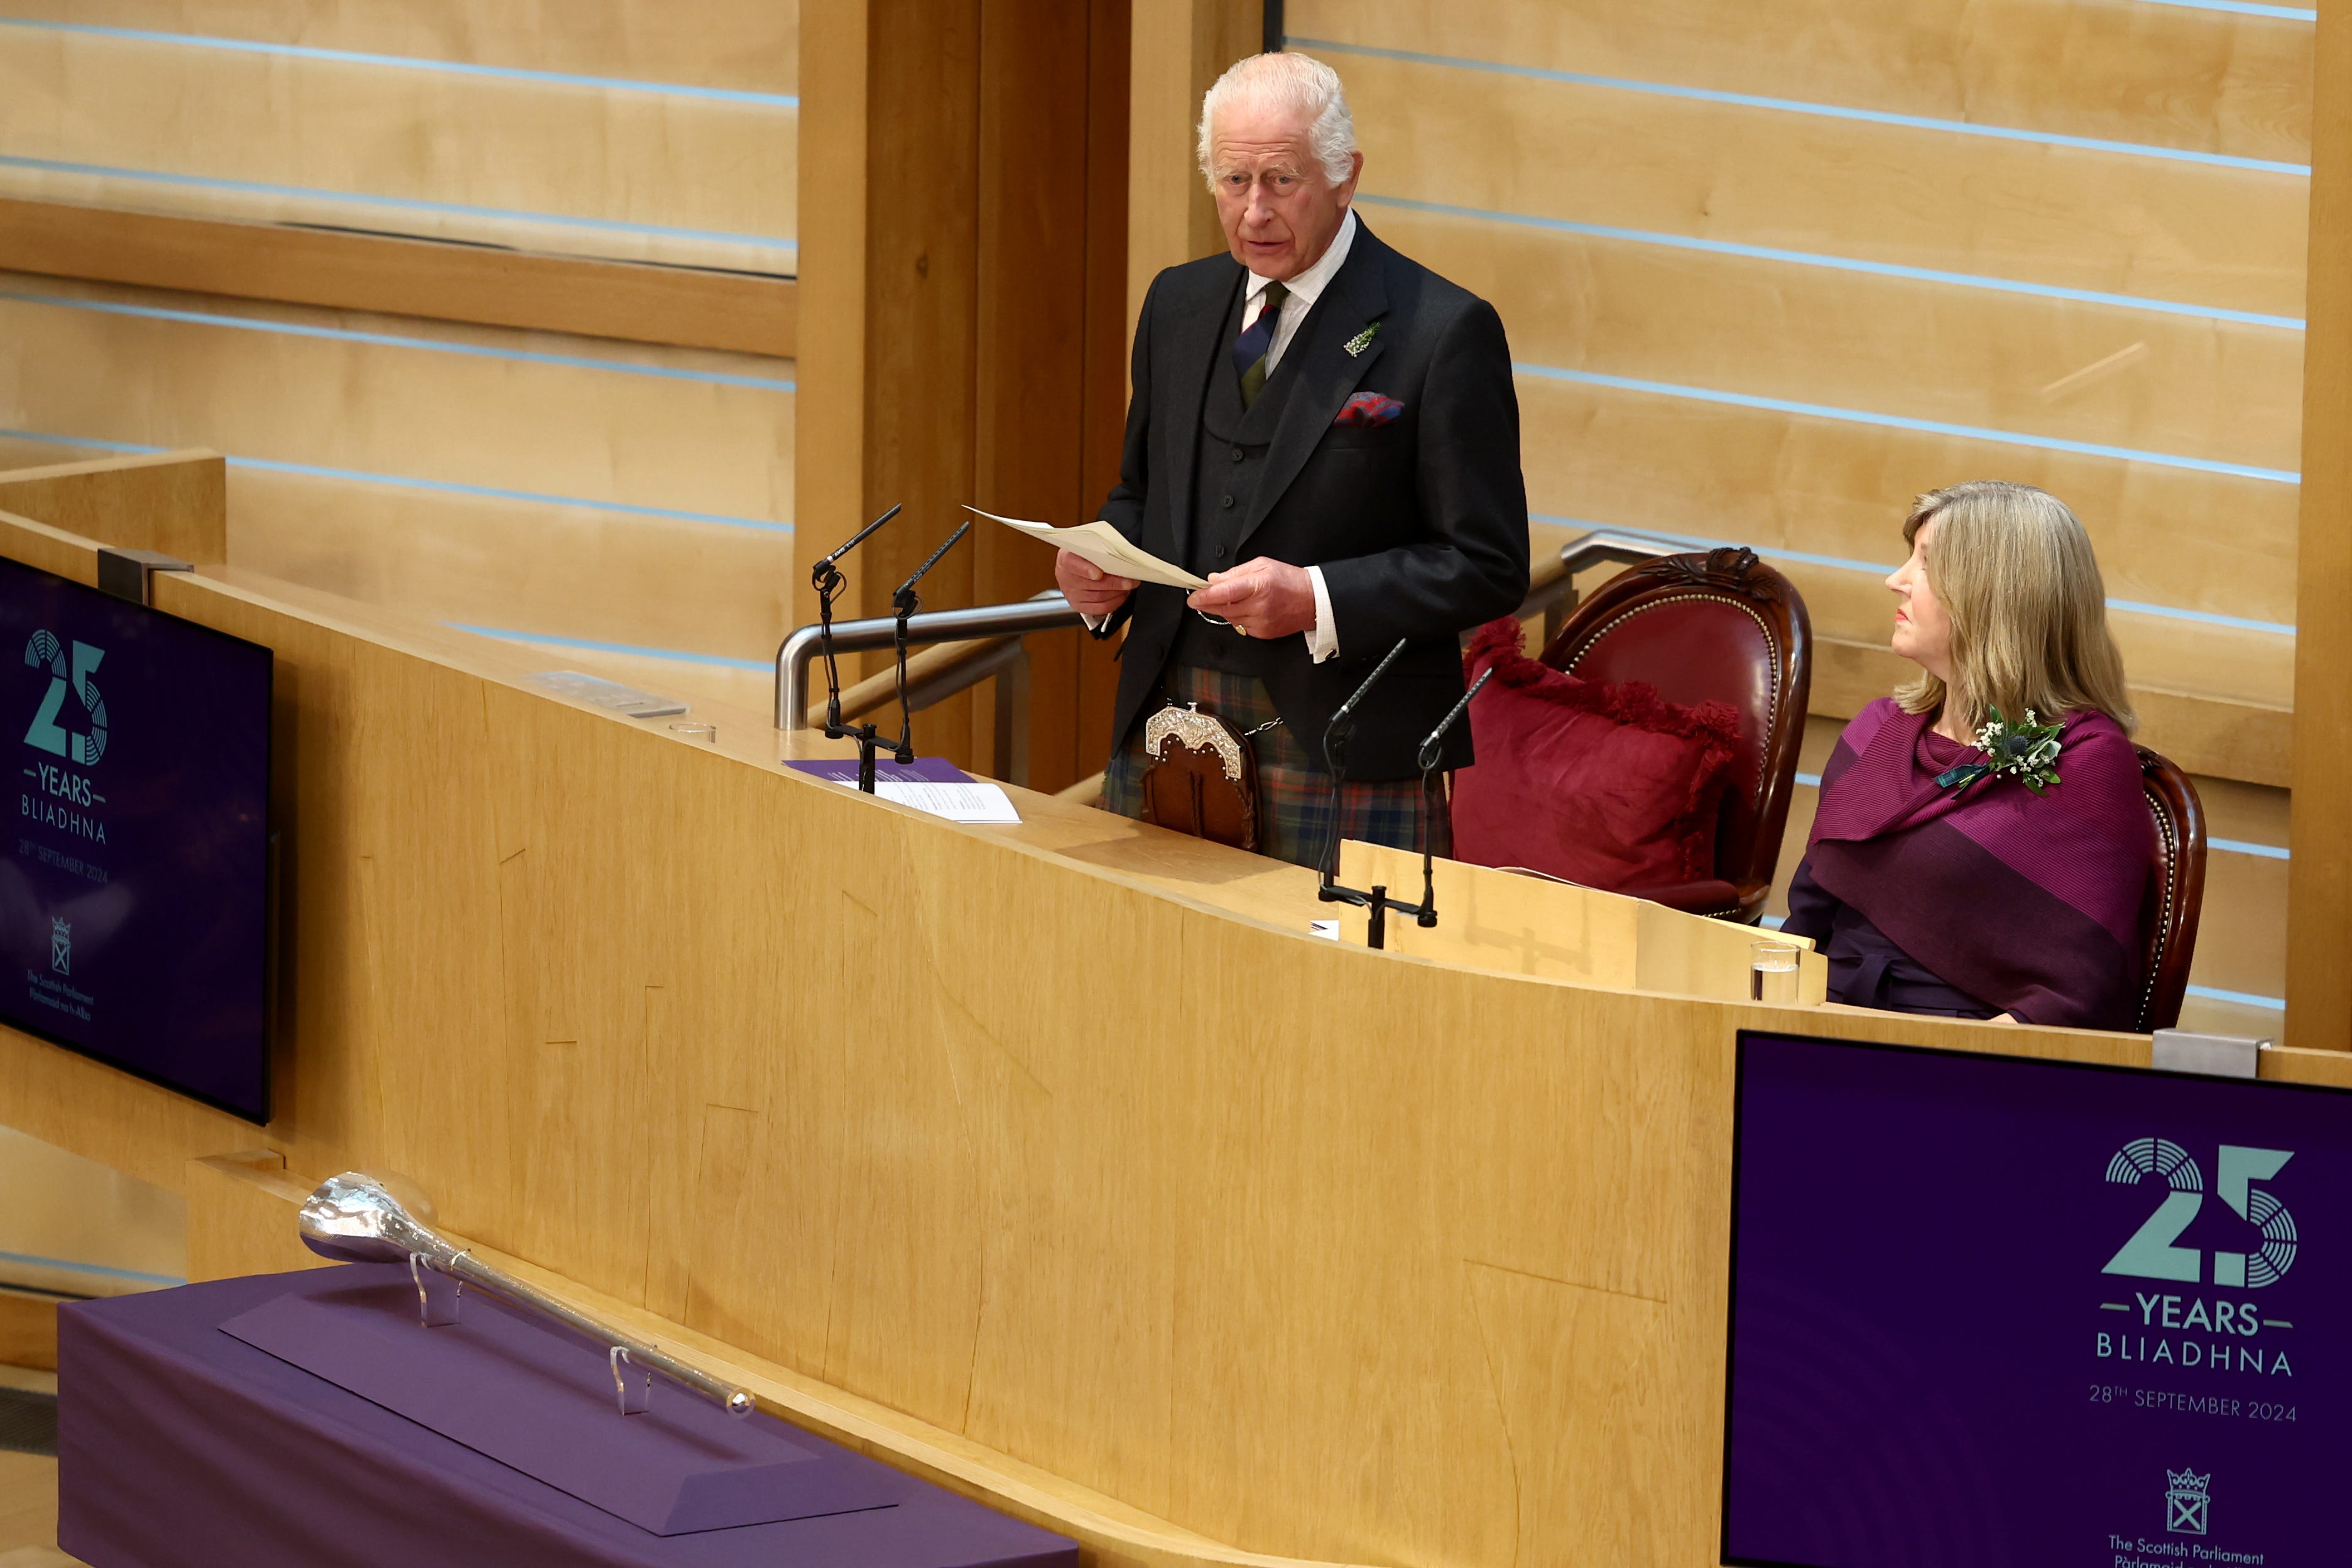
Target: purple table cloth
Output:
[{"x": 178, "y": 1444}]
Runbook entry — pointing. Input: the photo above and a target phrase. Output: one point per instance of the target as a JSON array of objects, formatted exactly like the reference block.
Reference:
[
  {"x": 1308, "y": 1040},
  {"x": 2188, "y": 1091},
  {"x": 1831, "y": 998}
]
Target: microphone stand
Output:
[
  {"x": 906, "y": 602},
  {"x": 827, "y": 578},
  {"x": 1336, "y": 736}
]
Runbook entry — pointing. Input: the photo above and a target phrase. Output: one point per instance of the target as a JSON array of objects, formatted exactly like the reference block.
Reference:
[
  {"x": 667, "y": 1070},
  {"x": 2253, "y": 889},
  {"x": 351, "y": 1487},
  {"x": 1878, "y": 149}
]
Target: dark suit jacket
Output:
[{"x": 1419, "y": 525}]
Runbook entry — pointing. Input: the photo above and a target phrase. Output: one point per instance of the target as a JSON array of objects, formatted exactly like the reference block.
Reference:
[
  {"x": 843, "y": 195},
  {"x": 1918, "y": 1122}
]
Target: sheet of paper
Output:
[
  {"x": 1104, "y": 546},
  {"x": 975, "y": 801}
]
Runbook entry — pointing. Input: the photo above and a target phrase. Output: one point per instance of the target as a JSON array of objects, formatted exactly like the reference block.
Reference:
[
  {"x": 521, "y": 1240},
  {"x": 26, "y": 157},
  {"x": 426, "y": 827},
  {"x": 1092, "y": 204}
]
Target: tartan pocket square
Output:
[{"x": 1369, "y": 408}]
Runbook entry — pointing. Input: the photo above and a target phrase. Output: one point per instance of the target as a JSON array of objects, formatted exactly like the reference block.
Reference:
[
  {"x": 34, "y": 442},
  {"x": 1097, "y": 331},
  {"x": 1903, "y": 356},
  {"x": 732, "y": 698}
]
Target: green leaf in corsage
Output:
[{"x": 2027, "y": 753}]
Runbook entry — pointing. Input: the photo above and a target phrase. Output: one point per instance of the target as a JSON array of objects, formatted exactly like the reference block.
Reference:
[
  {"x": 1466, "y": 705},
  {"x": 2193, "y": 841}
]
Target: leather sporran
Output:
[{"x": 1202, "y": 779}]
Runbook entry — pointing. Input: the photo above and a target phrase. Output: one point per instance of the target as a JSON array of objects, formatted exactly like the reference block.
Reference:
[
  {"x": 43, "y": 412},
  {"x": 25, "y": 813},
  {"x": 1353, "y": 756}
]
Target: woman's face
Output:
[{"x": 1923, "y": 632}]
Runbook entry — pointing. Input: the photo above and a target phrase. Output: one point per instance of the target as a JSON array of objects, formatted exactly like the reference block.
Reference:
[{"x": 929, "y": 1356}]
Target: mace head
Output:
[{"x": 354, "y": 1218}]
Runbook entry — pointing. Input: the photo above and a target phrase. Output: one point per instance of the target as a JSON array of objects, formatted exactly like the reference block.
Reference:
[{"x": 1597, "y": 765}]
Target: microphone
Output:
[
  {"x": 818, "y": 573},
  {"x": 1348, "y": 709},
  {"x": 1428, "y": 747},
  {"x": 903, "y": 599},
  {"x": 906, "y": 602},
  {"x": 826, "y": 579}
]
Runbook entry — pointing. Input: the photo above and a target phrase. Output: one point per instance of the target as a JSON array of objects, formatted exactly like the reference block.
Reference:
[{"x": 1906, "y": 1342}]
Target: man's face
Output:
[{"x": 1279, "y": 211}]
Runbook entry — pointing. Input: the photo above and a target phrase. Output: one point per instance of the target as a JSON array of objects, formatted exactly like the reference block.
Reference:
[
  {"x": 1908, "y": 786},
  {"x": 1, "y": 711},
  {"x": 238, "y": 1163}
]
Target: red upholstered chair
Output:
[
  {"x": 2176, "y": 888},
  {"x": 1716, "y": 624}
]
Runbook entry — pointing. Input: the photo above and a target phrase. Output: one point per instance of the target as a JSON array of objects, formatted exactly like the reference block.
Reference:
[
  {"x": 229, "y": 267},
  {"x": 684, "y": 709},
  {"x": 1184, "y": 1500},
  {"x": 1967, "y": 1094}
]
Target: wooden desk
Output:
[{"x": 1057, "y": 1160}]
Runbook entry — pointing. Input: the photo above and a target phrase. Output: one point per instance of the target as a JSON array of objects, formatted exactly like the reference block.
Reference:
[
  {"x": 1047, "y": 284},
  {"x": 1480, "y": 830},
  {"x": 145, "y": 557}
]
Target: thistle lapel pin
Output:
[{"x": 1362, "y": 340}]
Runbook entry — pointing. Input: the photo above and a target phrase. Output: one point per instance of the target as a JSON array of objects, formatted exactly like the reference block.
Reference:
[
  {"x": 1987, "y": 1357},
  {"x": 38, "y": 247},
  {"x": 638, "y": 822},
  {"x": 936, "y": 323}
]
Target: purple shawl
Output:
[{"x": 2033, "y": 904}]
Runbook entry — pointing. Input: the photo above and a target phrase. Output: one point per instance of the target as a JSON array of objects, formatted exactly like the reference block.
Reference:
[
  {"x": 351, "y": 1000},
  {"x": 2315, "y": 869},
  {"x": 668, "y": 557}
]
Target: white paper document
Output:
[
  {"x": 974, "y": 802},
  {"x": 1101, "y": 545}
]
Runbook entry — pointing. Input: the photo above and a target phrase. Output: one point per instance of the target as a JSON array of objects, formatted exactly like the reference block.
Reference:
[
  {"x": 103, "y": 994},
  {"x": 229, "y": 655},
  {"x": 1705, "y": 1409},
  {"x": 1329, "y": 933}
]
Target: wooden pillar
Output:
[
  {"x": 1181, "y": 46},
  {"x": 2319, "y": 885},
  {"x": 962, "y": 243}
]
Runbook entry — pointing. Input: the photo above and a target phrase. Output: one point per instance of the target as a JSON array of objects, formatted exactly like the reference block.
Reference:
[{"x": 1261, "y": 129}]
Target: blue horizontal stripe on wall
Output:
[
  {"x": 2242, "y": 998},
  {"x": 2243, "y": 8},
  {"x": 389, "y": 340},
  {"x": 97, "y": 1270},
  {"x": 588, "y": 645},
  {"x": 411, "y": 62},
  {"x": 405, "y": 481},
  {"x": 2243, "y": 847},
  {"x": 1899, "y": 422},
  {"x": 1838, "y": 263},
  {"x": 395, "y": 203},
  {"x": 1882, "y": 569},
  {"x": 1797, "y": 106}
]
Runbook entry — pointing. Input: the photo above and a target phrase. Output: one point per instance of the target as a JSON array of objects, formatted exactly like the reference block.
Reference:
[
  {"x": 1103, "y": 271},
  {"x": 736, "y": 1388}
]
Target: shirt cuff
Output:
[
  {"x": 1094, "y": 622},
  {"x": 1323, "y": 638}
]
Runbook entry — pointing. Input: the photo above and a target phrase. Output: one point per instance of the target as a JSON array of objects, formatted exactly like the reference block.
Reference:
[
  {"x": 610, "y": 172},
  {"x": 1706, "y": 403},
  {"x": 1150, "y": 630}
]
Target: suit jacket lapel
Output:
[
  {"x": 1329, "y": 375},
  {"x": 1199, "y": 339}
]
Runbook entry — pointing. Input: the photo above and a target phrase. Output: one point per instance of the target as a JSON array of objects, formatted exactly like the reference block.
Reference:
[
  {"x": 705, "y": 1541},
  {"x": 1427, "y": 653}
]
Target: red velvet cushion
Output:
[{"x": 1611, "y": 786}]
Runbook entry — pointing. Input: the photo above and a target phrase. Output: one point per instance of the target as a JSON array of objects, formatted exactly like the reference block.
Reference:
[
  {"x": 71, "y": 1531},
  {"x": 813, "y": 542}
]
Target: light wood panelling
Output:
[
  {"x": 2225, "y": 663},
  {"x": 502, "y": 409},
  {"x": 747, "y": 45},
  {"x": 2319, "y": 980},
  {"x": 404, "y": 277},
  {"x": 513, "y": 565},
  {"x": 29, "y": 1514},
  {"x": 2154, "y": 228},
  {"x": 645, "y": 167},
  {"x": 1180, "y": 47},
  {"x": 71, "y": 1227},
  {"x": 941, "y": 365},
  {"x": 176, "y": 503},
  {"x": 2204, "y": 80},
  {"x": 2193, "y": 540},
  {"x": 1515, "y": 924},
  {"x": 1890, "y": 346},
  {"x": 2211, "y": 542}
]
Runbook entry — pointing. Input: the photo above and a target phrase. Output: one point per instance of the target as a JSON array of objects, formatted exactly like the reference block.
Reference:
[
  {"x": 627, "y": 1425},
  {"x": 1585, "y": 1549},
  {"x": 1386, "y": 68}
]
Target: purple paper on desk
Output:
[
  {"x": 531, "y": 1394},
  {"x": 922, "y": 769}
]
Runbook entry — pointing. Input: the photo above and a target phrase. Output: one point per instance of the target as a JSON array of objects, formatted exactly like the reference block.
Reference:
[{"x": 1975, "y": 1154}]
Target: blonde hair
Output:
[
  {"x": 2013, "y": 570},
  {"x": 1297, "y": 82}
]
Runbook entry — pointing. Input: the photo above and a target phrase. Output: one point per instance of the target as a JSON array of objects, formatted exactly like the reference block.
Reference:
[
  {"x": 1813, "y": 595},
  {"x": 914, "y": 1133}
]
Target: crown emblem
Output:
[{"x": 2190, "y": 1481}]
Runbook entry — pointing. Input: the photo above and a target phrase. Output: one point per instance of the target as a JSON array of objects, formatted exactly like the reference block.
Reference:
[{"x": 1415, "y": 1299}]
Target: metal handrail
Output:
[
  {"x": 1047, "y": 612},
  {"x": 1553, "y": 591}
]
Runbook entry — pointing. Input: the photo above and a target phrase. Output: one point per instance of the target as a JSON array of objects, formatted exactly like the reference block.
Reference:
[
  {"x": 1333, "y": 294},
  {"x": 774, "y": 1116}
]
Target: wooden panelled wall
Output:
[
  {"x": 1769, "y": 270},
  {"x": 654, "y": 129},
  {"x": 963, "y": 325},
  {"x": 2319, "y": 891},
  {"x": 563, "y": 443}
]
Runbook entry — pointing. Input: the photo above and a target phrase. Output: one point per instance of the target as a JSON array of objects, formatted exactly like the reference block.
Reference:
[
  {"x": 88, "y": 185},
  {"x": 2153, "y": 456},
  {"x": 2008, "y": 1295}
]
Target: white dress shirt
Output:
[{"x": 1322, "y": 638}]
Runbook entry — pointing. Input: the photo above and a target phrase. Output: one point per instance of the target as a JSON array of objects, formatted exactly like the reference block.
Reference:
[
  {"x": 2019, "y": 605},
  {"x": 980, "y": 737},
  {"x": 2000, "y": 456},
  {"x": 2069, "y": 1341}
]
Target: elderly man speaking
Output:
[{"x": 1327, "y": 433}]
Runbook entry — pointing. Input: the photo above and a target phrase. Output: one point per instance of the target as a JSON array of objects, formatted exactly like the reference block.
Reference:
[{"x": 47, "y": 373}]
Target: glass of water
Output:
[
  {"x": 1772, "y": 972},
  {"x": 703, "y": 734}
]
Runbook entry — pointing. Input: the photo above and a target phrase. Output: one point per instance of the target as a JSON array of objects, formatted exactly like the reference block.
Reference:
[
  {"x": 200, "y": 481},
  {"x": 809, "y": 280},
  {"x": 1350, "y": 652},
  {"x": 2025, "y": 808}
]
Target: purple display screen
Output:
[
  {"x": 1988, "y": 1311},
  {"x": 133, "y": 900}
]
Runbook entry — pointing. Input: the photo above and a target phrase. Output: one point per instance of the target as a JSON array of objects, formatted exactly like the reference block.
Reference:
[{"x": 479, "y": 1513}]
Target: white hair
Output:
[{"x": 1297, "y": 82}]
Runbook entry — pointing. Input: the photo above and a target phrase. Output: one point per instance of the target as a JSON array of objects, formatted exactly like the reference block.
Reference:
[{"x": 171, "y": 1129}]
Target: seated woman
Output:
[{"x": 1939, "y": 879}]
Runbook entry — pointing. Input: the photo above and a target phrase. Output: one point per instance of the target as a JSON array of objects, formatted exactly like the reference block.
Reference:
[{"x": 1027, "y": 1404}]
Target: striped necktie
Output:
[{"x": 1252, "y": 347}]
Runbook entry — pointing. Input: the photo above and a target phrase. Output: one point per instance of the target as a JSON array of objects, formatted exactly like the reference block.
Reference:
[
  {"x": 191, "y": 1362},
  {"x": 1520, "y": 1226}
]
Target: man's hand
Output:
[
  {"x": 1265, "y": 598},
  {"x": 1090, "y": 589}
]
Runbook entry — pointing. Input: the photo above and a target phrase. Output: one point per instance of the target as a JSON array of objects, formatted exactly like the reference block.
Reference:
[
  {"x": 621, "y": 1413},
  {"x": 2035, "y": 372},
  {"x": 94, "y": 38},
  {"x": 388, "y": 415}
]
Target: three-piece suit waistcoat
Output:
[{"x": 1229, "y": 465}]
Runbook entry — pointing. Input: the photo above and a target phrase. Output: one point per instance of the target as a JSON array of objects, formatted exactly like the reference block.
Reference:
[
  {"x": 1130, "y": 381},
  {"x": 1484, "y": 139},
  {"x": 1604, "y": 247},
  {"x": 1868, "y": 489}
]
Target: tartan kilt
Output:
[{"x": 1294, "y": 790}]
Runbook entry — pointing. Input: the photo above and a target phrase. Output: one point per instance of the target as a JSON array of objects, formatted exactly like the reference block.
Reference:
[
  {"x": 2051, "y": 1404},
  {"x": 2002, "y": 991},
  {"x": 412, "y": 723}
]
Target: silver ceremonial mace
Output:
[{"x": 354, "y": 1218}]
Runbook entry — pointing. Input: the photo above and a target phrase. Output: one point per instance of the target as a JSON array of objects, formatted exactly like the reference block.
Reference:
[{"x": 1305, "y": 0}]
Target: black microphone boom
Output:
[
  {"x": 1428, "y": 752},
  {"x": 903, "y": 599},
  {"x": 1348, "y": 707},
  {"x": 855, "y": 540}
]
